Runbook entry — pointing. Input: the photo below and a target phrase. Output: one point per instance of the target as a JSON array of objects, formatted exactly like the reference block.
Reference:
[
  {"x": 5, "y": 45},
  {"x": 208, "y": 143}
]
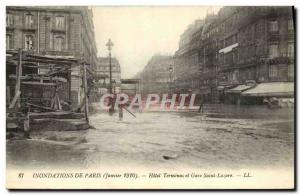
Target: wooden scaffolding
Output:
[{"x": 57, "y": 70}]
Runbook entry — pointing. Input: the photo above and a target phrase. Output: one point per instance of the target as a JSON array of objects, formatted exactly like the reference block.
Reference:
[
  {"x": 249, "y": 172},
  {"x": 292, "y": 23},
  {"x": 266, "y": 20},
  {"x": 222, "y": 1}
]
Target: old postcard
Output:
[{"x": 150, "y": 97}]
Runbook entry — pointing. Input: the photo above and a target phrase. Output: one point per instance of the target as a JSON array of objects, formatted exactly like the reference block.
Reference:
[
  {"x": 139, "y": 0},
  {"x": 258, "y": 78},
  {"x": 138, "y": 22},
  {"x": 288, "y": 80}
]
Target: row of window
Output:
[
  {"x": 273, "y": 27},
  {"x": 274, "y": 50},
  {"x": 233, "y": 57},
  {"x": 164, "y": 80},
  {"x": 274, "y": 72},
  {"x": 29, "y": 21},
  {"x": 29, "y": 44}
]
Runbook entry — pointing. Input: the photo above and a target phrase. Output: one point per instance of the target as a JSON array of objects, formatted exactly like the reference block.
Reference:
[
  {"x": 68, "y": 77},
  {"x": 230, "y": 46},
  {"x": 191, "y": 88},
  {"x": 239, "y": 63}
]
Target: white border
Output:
[{"x": 119, "y": 3}]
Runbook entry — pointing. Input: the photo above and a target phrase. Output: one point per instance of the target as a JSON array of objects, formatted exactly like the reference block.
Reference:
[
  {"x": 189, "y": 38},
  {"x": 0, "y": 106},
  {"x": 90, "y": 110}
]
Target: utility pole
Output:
[
  {"x": 109, "y": 45},
  {"x": 16, "y": 102},
  {"x": 170, "y": 85},
  {"x": 86, "y": 99}
]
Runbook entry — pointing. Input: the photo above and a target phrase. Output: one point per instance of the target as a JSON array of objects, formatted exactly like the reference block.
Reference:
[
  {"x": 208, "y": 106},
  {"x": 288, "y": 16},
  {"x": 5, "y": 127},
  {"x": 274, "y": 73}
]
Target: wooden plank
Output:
[
  {"x": 42, "y": 107},
  {"x": 56, "y": 71},
  {"x": 14, "y": 101},
  {"x": 38, "y": 83},
  {"x": 57, "y": 115},
  {"x": 8, "y": 94},
  {"x": 55, "y": 103},
  {"x": 26, "y": 77},
  {"x": 61, "y": 58},
  {"x": 58, "y": 102},
  {"x": 57, "y": 62},
  {"x": 12, "y": 76},
  {"x": 80, "y": 105}
]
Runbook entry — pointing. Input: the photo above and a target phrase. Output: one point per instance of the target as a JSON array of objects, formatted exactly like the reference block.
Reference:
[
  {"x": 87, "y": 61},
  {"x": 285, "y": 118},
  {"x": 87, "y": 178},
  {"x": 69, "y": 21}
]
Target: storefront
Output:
[
  {"x": 233, "y": 95},
  {"x": 265, "y": 91}
]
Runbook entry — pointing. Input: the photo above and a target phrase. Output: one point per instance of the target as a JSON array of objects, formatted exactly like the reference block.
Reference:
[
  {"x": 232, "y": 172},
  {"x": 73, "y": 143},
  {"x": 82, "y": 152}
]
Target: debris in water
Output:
[{"x": 170, "y": 157}]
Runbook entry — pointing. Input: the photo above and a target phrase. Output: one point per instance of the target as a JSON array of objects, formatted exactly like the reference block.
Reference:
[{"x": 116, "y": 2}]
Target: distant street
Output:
[{"x": 161, "y": 140}]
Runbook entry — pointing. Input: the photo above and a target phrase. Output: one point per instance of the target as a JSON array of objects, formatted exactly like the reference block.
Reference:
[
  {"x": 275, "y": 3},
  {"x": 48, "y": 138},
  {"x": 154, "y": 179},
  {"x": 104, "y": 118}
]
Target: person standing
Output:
[{"x": 121, "y": 110}]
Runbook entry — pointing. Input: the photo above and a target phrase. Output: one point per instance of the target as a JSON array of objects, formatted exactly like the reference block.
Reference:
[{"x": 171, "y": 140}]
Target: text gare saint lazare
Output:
[{"x": 190, "y": 175}]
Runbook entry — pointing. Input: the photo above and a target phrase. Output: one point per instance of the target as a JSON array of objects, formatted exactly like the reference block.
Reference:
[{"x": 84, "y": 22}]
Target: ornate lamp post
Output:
[
  {"x": 114, "y": 86},
  {"x": 171, "y": 71},
  {"x": 109, "y": 45}
]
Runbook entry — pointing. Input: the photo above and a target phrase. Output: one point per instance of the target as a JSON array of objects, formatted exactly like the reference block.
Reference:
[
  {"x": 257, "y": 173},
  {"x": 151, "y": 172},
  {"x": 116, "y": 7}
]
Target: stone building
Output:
[
  {"x": 62, "y": 31},
  {"x": 157, "y": 76},
  {"x": 257, "y": 44},
  {"x": 186, "y": 74},
  {"x": 239, "y": 45},
  {"x": 103, "y": 72}
]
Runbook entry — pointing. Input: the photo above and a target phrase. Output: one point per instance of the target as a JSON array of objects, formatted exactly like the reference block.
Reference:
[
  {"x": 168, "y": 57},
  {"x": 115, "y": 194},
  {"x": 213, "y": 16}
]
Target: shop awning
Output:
[
  {"x": 271, "y": 89},
  {"x": 239, "y": 89},
  {"x": 224, "y": 87},
  {"x": 228, "y": 48}
]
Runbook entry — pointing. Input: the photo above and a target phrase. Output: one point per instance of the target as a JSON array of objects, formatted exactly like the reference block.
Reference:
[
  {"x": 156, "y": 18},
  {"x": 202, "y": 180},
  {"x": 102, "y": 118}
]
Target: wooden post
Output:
[
  {"x": 8, "y": 95},
  {"x": 86, "y": 109},
  {"x": 18, "y": 78}
]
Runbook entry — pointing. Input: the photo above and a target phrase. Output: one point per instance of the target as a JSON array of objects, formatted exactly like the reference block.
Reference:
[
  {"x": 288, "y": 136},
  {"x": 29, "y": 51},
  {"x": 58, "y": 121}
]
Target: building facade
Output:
[
  {"x": 63, "y": 31},
  {"x": 235, "y": 46},
  {"x": 158, "y": 75},
  {"x": 104, "y": 74}
]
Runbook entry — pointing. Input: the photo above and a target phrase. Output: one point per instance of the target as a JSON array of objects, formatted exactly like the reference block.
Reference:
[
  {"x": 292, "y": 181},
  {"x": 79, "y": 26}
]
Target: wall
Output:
[{"x": 77, "y": 34}]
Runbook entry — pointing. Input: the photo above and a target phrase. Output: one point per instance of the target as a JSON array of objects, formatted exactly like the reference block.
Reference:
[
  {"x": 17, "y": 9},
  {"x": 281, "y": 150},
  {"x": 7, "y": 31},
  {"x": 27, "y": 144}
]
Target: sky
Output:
[{"x": 138, "y": 33}]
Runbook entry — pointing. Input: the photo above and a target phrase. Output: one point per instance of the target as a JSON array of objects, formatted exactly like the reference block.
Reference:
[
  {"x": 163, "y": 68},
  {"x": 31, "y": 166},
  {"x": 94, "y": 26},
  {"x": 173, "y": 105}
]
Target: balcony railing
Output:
[{"x": 280, "y": 60}]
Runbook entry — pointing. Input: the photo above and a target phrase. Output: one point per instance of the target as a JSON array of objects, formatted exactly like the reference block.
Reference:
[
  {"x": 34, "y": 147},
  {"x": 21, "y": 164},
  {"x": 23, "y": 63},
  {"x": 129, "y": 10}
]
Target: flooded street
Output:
[{"x": 162, "y": 140}]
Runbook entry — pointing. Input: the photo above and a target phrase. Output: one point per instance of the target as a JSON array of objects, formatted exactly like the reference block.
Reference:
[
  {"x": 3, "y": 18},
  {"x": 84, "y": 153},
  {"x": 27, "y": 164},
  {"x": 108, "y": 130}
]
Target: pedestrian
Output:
[
  {"x": 120, "y": 113},
  {"x": 121, "y": 110},
  {"x": 201, "y": 106},
  {"x": 26, "y": 126}
]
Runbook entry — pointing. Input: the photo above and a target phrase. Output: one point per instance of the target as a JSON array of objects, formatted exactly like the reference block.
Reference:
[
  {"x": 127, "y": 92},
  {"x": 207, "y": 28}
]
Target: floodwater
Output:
[{"x": 161, "y": 140}]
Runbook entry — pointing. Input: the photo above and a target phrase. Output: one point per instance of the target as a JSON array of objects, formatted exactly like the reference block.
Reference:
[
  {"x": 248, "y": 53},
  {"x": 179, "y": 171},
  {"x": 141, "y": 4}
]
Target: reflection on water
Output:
[
  {"x": 159, "y": 140},
  {"x": 41, "y": 153}
]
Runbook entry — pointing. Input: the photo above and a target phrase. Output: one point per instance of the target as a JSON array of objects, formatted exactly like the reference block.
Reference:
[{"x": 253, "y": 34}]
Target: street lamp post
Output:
[
  {"x": 109, "y": 45},
  {"x": 171, "y": 71}
]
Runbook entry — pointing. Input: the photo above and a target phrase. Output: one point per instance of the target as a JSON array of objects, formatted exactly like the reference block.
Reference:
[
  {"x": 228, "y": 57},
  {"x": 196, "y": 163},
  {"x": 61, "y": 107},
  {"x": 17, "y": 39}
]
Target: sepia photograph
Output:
[{"x": 150, "y": 97}]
